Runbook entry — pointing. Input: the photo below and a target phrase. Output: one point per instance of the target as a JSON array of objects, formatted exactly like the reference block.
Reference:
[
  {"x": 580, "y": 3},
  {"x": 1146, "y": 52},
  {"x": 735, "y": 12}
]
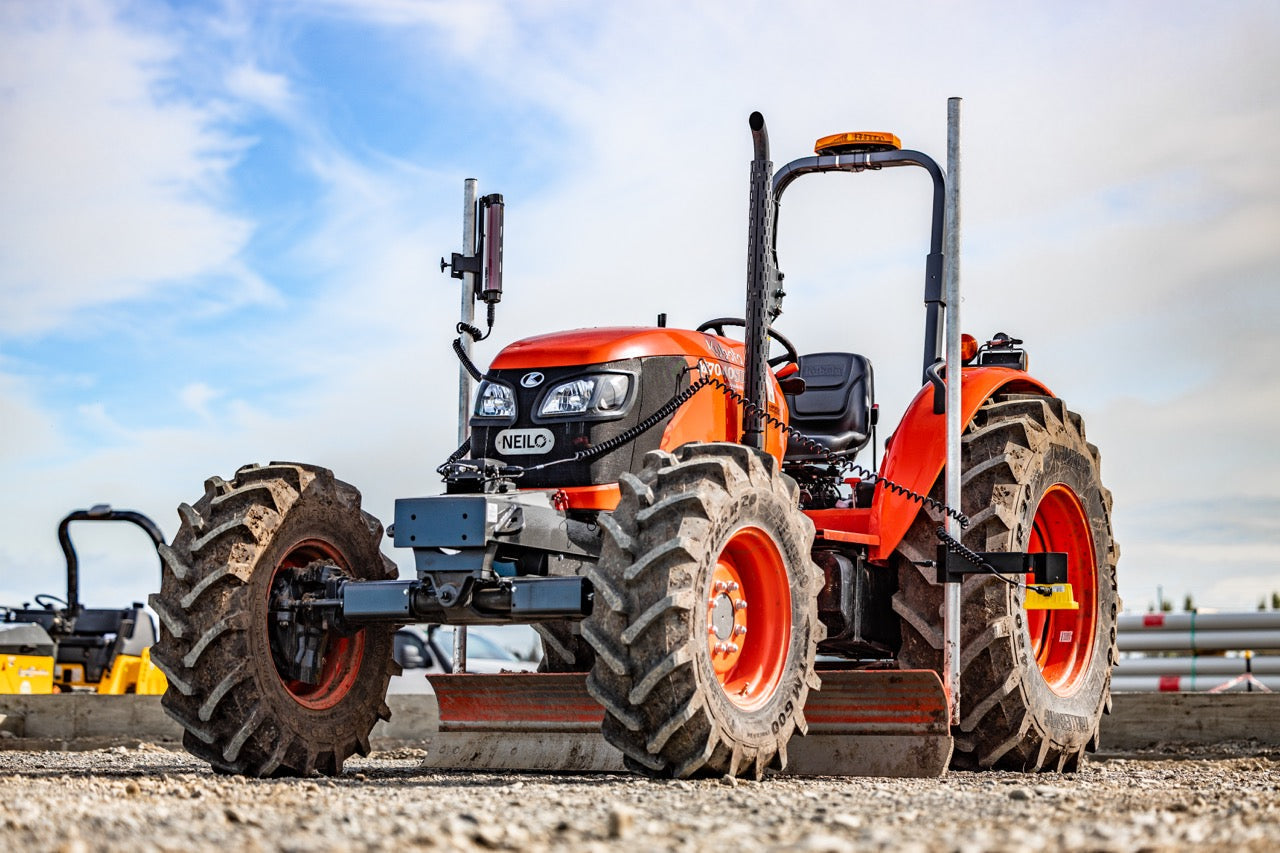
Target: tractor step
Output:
[{"x": 861, "y": 723}]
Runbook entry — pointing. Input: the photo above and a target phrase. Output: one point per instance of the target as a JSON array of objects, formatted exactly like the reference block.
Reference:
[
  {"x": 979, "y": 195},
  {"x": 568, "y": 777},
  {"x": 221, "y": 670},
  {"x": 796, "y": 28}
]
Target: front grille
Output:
[{"x": 658, "y": 378}]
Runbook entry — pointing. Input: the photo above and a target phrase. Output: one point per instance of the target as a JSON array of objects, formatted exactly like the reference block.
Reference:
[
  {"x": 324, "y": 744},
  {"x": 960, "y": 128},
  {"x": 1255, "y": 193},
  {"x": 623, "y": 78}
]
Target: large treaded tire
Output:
[
  {"x": 237, "y": 711},
  {"x": 563, "y": 648},
  {"x": 1019, "y": 453},
  {"x": 672, "y": 535}
]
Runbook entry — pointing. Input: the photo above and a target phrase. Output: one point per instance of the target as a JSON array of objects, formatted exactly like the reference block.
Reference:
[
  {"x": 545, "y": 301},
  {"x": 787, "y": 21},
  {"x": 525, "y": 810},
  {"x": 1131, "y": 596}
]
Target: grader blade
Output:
[{"x": 861, "y": 723}]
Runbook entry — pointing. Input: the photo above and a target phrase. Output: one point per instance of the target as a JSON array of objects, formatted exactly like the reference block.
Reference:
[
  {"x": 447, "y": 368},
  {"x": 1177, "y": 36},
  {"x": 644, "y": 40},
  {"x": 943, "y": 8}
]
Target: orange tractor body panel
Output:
[
  {"x": 709, "y": 416},
  {"x": 602, "y": 344},
  {"x": 915, "y": 453}
]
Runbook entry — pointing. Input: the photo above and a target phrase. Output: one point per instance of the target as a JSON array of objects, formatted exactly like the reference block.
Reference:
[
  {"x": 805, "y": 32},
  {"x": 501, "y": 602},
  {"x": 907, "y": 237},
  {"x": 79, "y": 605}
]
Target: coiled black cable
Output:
[
  {"x": 476, "y": 335},
  {"x": 952, "y": 544},
  {"x": 708, "y": 377}
]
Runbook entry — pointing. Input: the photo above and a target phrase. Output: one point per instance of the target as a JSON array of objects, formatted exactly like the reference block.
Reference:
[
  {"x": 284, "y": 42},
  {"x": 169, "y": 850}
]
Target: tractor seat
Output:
[
  {"x": 99, "y": 635},
  {"x": 835, "y": 407}
]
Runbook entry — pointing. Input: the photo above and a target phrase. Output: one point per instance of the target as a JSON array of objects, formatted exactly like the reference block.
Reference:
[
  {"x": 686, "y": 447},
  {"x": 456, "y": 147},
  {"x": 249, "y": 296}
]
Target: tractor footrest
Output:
[{"x": 862, "y": 723}]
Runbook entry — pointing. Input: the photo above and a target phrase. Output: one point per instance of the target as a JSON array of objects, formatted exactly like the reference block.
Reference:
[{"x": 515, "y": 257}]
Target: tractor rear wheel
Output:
[
  {"x": 705, "y": 624},
  {"x": 1033, "y": 683},
  {"x": 241, "y": 547}
]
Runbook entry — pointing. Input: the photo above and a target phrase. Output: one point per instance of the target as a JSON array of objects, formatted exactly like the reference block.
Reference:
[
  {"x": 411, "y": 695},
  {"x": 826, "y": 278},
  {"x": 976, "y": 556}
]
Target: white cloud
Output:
[
  {"x": 30, "y": 432},
  {"x": 110, "y": 187},
  {"x": 1120, "y": 213},
  {"x": 197, "y": 397},
  {"x": 250, "y": 84}
]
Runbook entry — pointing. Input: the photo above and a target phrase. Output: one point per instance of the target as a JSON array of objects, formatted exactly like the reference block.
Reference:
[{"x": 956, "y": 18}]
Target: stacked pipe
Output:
[{"x": 1190, "y": 636}]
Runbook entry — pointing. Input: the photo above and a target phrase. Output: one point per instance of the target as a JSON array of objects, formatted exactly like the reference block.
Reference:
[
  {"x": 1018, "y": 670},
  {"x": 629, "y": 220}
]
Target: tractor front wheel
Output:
[
  {"x": 242, "y": 550},
  {"x": 705, "y": 625}
]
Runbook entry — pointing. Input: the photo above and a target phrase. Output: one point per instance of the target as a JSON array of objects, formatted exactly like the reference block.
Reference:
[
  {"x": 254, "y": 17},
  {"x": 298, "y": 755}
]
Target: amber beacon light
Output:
[{"x": 860, "y": 142}]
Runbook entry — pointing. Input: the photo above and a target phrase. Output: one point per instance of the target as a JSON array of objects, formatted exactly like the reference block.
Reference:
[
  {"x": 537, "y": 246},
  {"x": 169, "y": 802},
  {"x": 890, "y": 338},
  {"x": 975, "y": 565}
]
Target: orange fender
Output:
[{"x": 916, "y": 453}]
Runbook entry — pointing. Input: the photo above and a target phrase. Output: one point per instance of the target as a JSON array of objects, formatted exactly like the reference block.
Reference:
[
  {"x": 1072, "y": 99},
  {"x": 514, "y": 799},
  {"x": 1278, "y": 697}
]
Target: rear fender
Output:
[{"x": 916, "y": 452}]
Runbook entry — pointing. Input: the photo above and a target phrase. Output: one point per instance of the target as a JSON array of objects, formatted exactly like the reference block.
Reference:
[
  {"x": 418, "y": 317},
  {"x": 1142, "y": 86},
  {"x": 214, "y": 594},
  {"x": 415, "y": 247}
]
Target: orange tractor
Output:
[{"x": 683, "y": 520}]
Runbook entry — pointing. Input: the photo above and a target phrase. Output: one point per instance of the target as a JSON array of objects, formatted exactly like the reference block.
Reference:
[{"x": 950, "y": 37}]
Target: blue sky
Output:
[{"x": 221, "y": 221}]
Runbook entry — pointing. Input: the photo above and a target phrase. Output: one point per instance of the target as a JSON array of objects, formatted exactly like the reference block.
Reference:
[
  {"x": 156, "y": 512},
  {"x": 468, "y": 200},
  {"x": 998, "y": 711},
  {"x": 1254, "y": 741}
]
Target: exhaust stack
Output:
[{"x": 764, "y": 295}]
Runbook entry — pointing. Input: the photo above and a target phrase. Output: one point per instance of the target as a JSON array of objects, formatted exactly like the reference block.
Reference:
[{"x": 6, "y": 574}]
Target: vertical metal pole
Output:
[
  {"x": 468, "y": 316},
  {"x": 951, "y": 282},
  {"x": 468, "y": 311}
]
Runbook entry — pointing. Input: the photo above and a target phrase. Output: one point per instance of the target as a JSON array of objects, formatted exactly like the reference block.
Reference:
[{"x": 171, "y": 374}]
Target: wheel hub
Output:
[
  {"x": 722, "y": 613},
  {"x": 727, "y": 619},
  {"x": 748, "y": 660},
  {"x": 317, "y": 664}
]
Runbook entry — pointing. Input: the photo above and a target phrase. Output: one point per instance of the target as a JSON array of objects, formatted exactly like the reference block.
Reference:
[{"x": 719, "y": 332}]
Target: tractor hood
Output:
[{"x": 600, "y": 345}]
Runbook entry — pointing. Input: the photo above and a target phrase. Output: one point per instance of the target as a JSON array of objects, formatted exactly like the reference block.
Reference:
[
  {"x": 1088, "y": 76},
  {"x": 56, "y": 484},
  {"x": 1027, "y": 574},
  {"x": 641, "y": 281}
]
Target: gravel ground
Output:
[{"x": 149, "y": 798}]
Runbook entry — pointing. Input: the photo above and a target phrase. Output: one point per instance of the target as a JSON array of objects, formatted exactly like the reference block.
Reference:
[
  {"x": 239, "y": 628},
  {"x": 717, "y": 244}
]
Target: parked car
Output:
[{"x": 424, "y": 650}]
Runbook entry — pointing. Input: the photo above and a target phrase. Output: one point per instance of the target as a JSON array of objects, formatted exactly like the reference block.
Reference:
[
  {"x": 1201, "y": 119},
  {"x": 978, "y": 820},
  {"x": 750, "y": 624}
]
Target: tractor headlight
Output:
[
  {"x": 600, "y": 394},
  {"x": 494, "y": 400}
]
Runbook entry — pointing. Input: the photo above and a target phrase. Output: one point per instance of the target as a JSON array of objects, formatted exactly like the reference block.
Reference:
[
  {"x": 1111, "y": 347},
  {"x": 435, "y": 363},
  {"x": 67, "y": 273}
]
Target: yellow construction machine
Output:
[{"x": 59, "y": 646}]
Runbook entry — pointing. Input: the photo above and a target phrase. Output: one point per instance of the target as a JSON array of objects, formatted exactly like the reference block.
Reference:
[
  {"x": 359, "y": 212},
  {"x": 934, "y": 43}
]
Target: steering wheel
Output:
[
  {"x": 717, "y": 325},
  {"x": 44, "y": 600}
]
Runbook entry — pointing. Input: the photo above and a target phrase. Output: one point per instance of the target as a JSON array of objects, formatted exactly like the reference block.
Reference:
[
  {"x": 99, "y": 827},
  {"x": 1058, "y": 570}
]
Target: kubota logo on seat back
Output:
[{"x": 515, "y": 442}]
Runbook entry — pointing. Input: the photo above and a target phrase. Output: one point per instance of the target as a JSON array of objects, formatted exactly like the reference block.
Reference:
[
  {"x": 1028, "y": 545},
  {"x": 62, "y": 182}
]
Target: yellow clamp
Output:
[{"x": 1059, "y": 598}]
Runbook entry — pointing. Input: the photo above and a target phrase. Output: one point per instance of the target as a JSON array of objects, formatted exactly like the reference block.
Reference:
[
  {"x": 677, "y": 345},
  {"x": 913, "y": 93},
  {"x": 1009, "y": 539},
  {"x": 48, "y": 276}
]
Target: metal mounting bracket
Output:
[
  {"x": 459, "y": 265},
  {"x": 1047, "y": 567}
]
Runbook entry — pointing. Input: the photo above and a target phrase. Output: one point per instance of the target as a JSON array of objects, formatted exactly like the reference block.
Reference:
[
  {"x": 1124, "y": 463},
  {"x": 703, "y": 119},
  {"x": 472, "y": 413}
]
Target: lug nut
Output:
[
  {"x": 731, "y": 647},
  {"x": 741, "y": 605},
  {"x": 720, "y": 586},
  {"x": 740, "y": 631},
  {"x": 733, "y": 587}
]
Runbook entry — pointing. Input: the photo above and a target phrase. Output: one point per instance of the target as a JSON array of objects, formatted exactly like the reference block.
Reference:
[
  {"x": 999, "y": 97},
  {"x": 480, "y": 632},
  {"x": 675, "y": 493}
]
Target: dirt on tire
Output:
[
  {"x": 665, "y": 708},
  {"x": 563, "y": 648},
  {"x": 225, "y": 688},
  {"x": 1017, "y": 450}
]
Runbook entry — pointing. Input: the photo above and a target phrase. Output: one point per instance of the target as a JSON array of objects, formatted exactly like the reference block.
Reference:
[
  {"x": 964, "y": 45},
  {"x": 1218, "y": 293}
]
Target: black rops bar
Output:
[
  {"x": 859, "y": 162},
  {"x": 98, "y": 512}
]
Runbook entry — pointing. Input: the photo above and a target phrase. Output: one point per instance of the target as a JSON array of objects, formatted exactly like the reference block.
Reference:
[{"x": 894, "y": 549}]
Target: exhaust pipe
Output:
[{"x": 764, "y": 296}]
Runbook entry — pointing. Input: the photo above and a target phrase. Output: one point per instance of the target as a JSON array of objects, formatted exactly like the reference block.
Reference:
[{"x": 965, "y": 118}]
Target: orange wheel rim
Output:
[
  {"x": 1062, "y": 640},
  {"x": 342, "y": 655},
  {"x": 749, "y": 618}
]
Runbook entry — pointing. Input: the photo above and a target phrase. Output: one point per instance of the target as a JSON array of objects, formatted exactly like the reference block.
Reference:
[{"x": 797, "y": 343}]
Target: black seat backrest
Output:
[
  {"x": 142, "y": 635},
  {"x": 835, "y": 406},
  {"x": 99, "y": 635}
]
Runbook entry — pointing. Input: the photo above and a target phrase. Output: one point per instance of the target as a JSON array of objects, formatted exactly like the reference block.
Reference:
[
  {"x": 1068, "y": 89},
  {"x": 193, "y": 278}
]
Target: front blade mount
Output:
[{"x": 861, "y": 723}]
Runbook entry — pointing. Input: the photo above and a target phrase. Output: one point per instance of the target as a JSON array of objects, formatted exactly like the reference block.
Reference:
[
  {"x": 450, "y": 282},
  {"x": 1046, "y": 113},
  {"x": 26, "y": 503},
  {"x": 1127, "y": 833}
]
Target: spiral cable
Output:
[{"x": 708, "y": 377}]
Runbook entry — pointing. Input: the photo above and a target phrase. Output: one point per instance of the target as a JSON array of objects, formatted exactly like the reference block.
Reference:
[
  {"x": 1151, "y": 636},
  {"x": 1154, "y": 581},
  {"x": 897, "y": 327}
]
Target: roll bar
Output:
[
  {"x": 99, "y": 512},
  {"x": 859, "y": 162}
]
